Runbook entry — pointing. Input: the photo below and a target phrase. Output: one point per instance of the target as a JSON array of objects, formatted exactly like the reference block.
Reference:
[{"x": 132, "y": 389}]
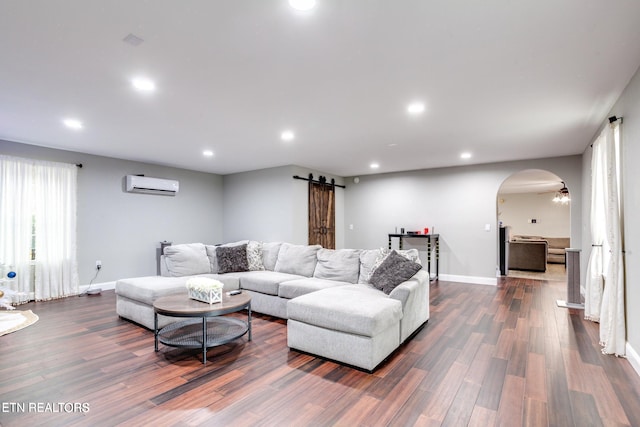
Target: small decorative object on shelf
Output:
[
  {"x": 205, "y": 289},
  {"x": 6, "y": 275}
]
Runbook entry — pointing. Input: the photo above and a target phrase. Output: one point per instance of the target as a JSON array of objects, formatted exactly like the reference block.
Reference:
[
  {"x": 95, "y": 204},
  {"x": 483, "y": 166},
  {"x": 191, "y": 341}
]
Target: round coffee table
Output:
[{"x": 207, "y": 328}]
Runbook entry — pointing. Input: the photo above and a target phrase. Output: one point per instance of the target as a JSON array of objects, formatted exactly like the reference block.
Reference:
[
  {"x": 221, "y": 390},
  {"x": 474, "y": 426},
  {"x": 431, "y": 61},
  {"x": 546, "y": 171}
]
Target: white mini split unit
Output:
[{"x": 148, "y": 185}]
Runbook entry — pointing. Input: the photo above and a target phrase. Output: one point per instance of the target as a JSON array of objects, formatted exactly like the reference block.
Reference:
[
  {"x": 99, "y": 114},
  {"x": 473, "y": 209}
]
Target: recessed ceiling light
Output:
[
  {"x": 415, "y": 108},
  {"x": 465, "y": 155},
  {"x": 302, "y": 4},
  {"x": 374, "y": 165},
  {"x": 207, "y": 153},
  {"x": 287, "y": 135},
  {"x": 73, "y": 124},
  {"x": 143, "y": 84},
  {"x": 393, "y": 144}
]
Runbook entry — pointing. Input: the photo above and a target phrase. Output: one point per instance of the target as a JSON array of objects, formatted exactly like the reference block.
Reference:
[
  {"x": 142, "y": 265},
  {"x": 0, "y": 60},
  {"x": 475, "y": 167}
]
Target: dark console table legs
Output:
[{"x": 433, "y": 245}]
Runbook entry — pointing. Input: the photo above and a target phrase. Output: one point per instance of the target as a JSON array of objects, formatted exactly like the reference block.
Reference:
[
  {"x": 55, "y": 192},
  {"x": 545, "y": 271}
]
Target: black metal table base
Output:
[{"x": 204, "y": 332}]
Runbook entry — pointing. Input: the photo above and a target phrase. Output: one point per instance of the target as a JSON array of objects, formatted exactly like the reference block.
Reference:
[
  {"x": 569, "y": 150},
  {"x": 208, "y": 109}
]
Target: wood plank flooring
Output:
[{"x": 503, "y": 356}]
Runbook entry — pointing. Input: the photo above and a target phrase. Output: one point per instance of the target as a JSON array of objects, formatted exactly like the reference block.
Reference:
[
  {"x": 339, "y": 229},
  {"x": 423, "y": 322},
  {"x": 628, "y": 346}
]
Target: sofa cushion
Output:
[
  {"x": 342, "y": 265},
  {"x": 254, "y": 256},
  {"x": 294, "y": 288},
  {"x": 353, "y": 309},
  {"x": 560, "y": 243},
  {"x": 517, "y": 238},
  {"x": 232, "y": 258},
  {"x": 265, "y": 282},
  {"x": 297, "y": 259},
  {"x": 270, "y": 252},
  {"x": 394, "y": 270},
  {"x": 186, "y": 259},
  {"x": 555, "y": 251},
  {"x": 213, "y": 258}
]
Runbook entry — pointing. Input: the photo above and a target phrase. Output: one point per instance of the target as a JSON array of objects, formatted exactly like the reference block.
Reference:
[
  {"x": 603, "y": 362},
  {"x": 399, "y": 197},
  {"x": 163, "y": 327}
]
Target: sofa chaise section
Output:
[
  {"x": 135, "y": 296},
  {"x": 351, "y": 324}
]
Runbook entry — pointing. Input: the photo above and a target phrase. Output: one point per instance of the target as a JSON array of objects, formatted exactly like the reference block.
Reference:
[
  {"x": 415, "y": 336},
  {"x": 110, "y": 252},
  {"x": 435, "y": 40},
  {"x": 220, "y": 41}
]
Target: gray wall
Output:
[
  {"x": 124, "y": 229},
  {"x": 628, "y": 107},
  {"x": 269, "y": 205},
  {"x": 457, "y": 201}
]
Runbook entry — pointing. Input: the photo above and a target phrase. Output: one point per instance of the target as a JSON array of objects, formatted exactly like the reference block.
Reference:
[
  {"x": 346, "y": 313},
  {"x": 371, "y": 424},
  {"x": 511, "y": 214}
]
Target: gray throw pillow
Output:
[
  {"x": 213, "y": 258},
  {"x": 232, "y": 258},
  {"x": 394, "y": 270},
  {"x": 254, "y": 256}
]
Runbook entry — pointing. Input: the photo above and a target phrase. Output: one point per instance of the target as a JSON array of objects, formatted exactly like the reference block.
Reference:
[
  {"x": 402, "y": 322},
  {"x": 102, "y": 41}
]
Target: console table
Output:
[{"x": 433, "y": 242}]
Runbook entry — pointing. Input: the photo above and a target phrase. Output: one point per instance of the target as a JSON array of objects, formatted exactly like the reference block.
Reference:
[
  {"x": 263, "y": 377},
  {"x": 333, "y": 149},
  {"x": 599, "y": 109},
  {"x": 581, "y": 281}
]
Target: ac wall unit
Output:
[{"x": 148, "y": 185}]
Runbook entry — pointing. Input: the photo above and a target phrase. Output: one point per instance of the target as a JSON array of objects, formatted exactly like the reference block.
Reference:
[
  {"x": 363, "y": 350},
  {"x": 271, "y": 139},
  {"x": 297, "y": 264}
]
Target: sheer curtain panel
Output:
[
  {"x": 55, "y": 225},
  {"x": 604, "y": 285},
  {"x": 38, "y": 214},
  {"x": 594, "y": 282},
  {"x": 612, "y": 322},
  {"x": 16, "y": 208}
]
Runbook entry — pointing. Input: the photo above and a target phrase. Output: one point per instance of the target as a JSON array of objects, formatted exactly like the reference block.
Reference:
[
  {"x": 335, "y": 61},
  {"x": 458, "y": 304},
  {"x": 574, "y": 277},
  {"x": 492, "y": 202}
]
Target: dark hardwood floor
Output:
[{"x": 489, "y": 355}]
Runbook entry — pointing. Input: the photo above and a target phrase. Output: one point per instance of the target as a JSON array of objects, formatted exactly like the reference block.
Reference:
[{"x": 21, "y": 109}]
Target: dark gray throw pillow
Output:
[
  {"x": 394, "y": 270},
  {"x": 232, "y": 258}
]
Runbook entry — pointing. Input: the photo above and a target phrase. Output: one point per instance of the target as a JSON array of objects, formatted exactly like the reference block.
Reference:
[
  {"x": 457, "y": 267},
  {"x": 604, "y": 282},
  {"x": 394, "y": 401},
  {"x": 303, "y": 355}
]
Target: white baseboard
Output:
[
  {"x": 491, "y": 281},
  {"x": 633, "y": 358},
  {"x": 104, "y": 286}
]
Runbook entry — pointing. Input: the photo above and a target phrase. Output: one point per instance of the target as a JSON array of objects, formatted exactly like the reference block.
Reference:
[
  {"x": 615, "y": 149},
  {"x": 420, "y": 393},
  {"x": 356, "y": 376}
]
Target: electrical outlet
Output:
[{"x": 98, "y": 265}]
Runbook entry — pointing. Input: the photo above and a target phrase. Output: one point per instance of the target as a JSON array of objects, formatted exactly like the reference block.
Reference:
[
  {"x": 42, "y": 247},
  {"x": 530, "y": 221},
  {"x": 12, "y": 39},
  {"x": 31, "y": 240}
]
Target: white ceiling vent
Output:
[
  {"x": 133, "y": 40},
  {"x": 148, "y": 185}
]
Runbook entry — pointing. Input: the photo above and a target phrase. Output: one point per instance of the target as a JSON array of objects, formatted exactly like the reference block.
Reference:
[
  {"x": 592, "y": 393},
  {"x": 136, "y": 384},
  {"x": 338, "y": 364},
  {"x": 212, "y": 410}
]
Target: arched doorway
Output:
[{"x": 535, "y": 225}]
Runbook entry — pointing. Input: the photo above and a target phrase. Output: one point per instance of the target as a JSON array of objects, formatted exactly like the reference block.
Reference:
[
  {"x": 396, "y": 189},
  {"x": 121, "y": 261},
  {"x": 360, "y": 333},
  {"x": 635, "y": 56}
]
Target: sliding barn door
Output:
[{"x": 322, "y": 215}]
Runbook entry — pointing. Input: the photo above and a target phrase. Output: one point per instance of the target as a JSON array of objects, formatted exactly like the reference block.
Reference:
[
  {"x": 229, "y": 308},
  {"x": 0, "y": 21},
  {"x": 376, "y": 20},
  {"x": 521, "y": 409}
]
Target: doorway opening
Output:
[{"x": 533, "y": 208}]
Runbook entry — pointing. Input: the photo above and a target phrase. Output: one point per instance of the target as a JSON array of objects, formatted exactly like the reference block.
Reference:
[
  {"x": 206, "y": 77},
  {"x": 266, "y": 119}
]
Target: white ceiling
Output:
[{"x": 503, "y": 79}]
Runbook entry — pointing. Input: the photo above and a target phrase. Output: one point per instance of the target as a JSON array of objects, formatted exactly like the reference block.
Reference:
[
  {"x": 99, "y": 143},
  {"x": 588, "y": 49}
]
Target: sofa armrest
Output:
[
  {"x": 164, "y": 270},
  {"x": 414, "y": 296},
  {"x": 403, "y": 292}
]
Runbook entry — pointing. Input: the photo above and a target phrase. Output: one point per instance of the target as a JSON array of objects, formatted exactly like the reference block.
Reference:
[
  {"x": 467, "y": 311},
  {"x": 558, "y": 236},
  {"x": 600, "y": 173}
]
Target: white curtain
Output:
[
  {"x": 16, "y": 185},
  {"x": 604, "y": 285},
  {"x": 47, "y": 193},
  {"x": 612, "y": 322},
  {"x": 594, "y": 282}
]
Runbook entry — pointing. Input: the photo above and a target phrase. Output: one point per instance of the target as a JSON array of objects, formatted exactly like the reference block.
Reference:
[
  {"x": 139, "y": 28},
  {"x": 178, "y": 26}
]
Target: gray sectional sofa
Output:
[{"x": 349, "y": 305}]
